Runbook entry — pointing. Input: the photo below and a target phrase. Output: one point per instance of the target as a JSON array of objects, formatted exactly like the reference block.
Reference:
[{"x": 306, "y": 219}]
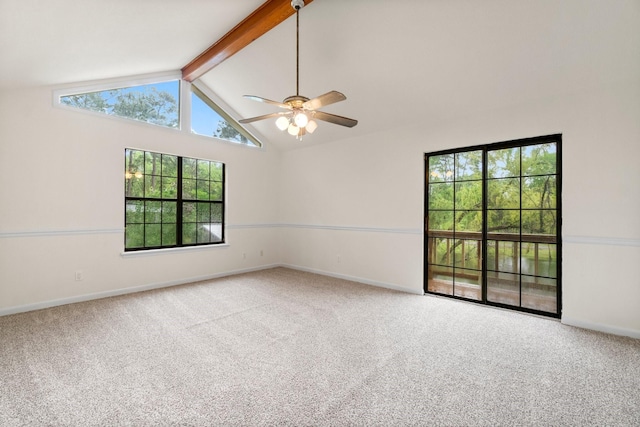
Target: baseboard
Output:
[
  {"x": 117, "y": 292},
  {"x": 608, "y": 329},
  {"x": 354, "y": 279}
]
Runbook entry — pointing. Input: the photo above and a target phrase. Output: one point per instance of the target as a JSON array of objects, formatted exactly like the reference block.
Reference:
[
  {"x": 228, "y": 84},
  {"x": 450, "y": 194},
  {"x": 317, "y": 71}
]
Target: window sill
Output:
[{"x": 167, "y": 251}]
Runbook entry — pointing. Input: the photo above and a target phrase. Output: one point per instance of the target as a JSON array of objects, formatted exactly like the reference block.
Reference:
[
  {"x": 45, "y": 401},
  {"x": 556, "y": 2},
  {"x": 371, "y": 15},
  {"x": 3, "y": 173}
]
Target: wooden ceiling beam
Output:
[{"x": 259, "y": 22}]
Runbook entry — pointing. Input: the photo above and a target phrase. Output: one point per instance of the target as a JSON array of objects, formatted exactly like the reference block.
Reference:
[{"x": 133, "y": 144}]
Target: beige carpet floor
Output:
[{"x": 284, "y": 347}]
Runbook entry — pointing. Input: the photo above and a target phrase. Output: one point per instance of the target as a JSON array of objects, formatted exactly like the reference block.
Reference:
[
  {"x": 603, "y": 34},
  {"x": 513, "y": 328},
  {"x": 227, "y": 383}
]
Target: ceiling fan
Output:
[{"x": 299, "y": 119}]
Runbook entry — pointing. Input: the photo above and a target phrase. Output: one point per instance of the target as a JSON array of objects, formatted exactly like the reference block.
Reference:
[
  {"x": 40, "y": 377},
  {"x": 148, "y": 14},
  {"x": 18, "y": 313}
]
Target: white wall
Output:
[
  {"x": 61, "y": 205},
  {"x": 363, "y": 199}
]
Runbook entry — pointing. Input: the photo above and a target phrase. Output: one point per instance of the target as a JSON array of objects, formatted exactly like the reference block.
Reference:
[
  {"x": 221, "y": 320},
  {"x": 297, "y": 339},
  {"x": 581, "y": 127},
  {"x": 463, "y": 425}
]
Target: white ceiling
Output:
[{"x": 399, "y": 62}]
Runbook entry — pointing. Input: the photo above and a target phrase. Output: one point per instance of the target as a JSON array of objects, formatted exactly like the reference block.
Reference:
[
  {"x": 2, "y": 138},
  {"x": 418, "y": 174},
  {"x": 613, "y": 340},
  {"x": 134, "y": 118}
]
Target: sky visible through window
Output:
[
  {"x": 156, "y": 103},
  {"x": 204, "y": 120}
]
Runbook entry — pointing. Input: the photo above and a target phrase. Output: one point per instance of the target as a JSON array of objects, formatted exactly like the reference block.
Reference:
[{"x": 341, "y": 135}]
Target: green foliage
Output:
[
  {"x": 517, "y": 177},
  {"x": 521, "y": 199},
  {"x": 143, "y": 103},
  {"x": 152, "y": 222},
  {"x": 88, "y": 101},
  {"x": 226, "y": 131},
  {"x": 148, "y": 105}
]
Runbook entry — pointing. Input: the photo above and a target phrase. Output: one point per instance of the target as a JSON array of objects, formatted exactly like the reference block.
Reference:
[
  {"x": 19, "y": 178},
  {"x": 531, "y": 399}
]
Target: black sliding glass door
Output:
[{"x": 492, "y": 224}]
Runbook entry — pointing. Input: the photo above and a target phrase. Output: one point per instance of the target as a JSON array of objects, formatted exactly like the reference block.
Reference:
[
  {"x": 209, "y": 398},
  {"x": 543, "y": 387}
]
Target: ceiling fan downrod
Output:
[{"x": 297, "y": 5}]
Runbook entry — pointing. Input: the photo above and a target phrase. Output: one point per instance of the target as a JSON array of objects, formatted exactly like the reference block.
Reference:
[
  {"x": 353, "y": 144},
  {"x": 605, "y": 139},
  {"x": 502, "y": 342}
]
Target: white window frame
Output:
[{"x": 184, "y": 101}]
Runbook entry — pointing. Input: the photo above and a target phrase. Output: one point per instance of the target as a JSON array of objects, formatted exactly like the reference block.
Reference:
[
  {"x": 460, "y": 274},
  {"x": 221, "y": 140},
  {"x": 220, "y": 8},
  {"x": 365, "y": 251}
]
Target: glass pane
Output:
[
  {"x": 134, "y": 236},
  {"x": 152, "y": 163},
  {"x": 215, "y": 191},
  {"x": 542, "y": 222},
  {"x": 134, "y": 160},
  {"x": 153, "y": 212},
  {"x": 469, "y": 195},
  {"x": 203, "y": 212},
  {"x": 440, "y": 279},
  {"x": 168, "y": 234},
  {"x": 203, "y": 189},
  {"x": 204, "y": 233},
  {"x": 189, "y": 212},
  {"x": 441, "y": 195},
  {"x": 468, "y": 165},
  {"x": 189, "y": 168},
  {"x": 539, "y": 192},
  {"x": 169, "y": 165},
  {"x": 169, "y": 212},
  {"x": 467, "y": 253},
  {"x": 503, "y": 221},
  {"x": 441, "y": 220},
  {"x": 216, "y": 212},
  {"x": 216, "y": 171},
  {"x": 504, "y": 163},
  {"x": 440, "y": 250},
  {"x": 466, "y": 284},
  {"x": 538, "y": 259},
  {"x": 189, "y": 189},
  {"x": 539, "y": 159},
  {"x": 134, "y": 212},
  {"x": 528, "y": 263},
  {"x": 503, "y": 193},
  {"x": 468, "y": 221},
  {"x": 503, "y": 288},
  {"x": 203, "y": 169},
  {"x": 216, "y": 232},
  {"x": 169, "y": 188},
  {"x": 539, "y": 294},
  {"x": 188, "y": 233},
  {"x": 441, "y": 168},
  {"x": 503, "y": 256},
  {"x": 134, "y": 185},
  {"x": 153, "y": 235},
  {"x": 205, "y": 120},
  {"x": 153, "y": 103},
  {"x": 547, "y": 260},
  {"x": 152, "y": 186}
]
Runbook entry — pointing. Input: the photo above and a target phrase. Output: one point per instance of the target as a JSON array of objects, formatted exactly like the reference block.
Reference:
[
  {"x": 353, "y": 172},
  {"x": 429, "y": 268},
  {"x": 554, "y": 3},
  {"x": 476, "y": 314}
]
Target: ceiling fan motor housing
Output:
[{"x": 295, "y": 101}]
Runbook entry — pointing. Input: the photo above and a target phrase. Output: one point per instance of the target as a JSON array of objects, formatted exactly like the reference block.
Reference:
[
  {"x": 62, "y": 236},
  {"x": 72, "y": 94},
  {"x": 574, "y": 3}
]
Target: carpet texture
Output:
[{"x": 284, "y": 347}]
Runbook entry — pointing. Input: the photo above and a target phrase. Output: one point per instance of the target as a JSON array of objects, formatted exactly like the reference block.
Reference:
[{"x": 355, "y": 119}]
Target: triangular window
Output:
[
  {"x": 208, "y": 119},
  {"x": 156, "y": 103}
]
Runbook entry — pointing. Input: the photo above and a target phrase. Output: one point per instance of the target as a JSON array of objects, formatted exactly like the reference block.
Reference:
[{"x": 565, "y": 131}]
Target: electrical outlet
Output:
[
  {"x": 338, "y": 259},
  {"x": 261, "y": 252},
  {"x": 79, "y": 275},
  {"x": 244, "y": 255}
]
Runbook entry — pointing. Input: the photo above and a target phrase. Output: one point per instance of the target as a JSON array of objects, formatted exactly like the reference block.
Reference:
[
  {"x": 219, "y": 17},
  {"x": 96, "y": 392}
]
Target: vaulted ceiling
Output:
[{"x": 400, "y": 63}]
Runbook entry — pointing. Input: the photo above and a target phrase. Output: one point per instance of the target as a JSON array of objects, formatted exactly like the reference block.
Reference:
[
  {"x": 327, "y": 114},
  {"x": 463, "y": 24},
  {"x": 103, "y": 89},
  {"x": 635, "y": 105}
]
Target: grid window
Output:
[
  {"x": 492, "y": 224},
  {"x": 172, "y": 201}
]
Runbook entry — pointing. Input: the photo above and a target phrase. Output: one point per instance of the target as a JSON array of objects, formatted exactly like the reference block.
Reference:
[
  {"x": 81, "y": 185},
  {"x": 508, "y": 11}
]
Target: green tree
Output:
[
  {"x": 227, "y": 131},
  {"x": 143, "y": 103},
  {"x": 149, "y": 105},
  {"x": 88, "y": 101}
]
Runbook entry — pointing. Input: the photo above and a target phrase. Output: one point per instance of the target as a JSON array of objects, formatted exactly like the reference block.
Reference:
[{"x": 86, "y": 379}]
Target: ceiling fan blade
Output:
[
  {"x": 333, "y": 118},
  {"x": 324, "y": 100},
  {"x": 266, "y": 116},
  {"x": 268, "y": 101}
]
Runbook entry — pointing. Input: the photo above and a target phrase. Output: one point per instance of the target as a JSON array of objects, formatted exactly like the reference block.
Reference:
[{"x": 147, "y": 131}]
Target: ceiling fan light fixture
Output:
[
  {"x": 293, "y": 130},
  {"x": 282, "y": 123},
  {"x": 311, "y": 126},
  {"x": 300, "y": 119}
]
